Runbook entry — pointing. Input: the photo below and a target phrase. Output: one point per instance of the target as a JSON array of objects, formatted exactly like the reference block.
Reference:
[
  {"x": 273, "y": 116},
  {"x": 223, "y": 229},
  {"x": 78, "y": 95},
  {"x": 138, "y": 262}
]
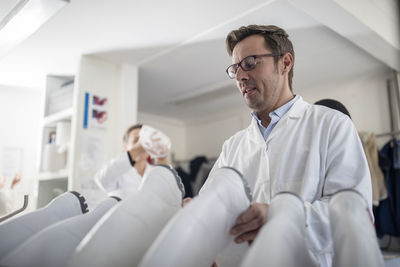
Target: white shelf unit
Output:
[{"x": 54, "y": 171}]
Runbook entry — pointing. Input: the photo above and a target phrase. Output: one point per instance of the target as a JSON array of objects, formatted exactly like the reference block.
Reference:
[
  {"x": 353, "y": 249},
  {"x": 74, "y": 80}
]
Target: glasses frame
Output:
[{"x": 239, "y": 64}]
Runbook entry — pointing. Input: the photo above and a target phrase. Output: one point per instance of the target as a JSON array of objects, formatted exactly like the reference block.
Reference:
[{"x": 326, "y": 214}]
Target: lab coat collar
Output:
[{"x": 295, "y": 112}]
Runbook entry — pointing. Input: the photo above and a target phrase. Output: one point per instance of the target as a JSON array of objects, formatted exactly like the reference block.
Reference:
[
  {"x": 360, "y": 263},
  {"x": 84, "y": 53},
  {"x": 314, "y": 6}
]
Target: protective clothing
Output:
[
  {"x": 17, "y": 230},
  {"x": 54, "y": 245},
  {"x": 123, "y": 235},
  {"x": 284, "y": 231},
  {"x": 119, "y": 178},
  {"x": 354, "y": 238},
  {"x": 197, "y": 233},
  {"x": 313, "y": 151}
]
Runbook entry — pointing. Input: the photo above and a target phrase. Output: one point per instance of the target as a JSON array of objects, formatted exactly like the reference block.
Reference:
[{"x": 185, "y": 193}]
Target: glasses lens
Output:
[
  {"x": 232, "y": 71},
  {"x": 248, "y": 63}
]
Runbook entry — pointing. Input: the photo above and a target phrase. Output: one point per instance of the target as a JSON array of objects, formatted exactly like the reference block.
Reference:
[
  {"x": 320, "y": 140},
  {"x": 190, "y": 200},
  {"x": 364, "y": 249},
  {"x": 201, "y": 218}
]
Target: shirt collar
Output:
[{"x": 279, "y": 112}]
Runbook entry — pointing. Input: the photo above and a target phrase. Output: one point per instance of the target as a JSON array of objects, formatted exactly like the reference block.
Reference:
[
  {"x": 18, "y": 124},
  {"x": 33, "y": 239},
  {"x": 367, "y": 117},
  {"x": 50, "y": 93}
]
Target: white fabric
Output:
[
  {"x": 199, "y": 231},
  {"x": 313, "y": 152},
  {"x": 54, "y": 245},
  {"x": 354, "y": 238},
  {"x": 281, "y": 241},
  {"x": 17, "y": 230},
  {"x": 155, "y": 142},
  {"x": 123, "y": 235},
  {"x": 119, "y": 178}
]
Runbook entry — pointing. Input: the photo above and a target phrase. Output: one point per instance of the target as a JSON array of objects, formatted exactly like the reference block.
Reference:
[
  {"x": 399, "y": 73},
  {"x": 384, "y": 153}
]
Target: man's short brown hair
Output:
[
  {"x": 276, "y": 40},
  {"x": 129, "y": 130}
]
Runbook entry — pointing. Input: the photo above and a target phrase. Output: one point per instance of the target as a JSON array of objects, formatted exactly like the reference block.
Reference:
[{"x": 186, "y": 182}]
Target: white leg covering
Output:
[
  {"x": 282, "y": 240},
  {"x": 354, "y": 240},
  {"x": 54, "y": 245},
  {"x": 17, "y": 230},
  {"x": 123, "y": 235},
  {"x": 200, "y": 231}
]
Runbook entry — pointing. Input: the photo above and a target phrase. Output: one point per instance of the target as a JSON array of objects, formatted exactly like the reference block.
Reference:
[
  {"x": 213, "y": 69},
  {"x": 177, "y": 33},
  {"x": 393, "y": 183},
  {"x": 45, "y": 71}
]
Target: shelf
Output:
[
  {"x": 58, "y": 175},
  {"x": 51, "y": 120}
]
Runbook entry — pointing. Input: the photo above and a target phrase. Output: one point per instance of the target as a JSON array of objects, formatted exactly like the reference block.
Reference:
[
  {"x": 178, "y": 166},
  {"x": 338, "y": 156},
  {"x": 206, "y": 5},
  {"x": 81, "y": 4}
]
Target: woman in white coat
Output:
[{"x": 123, "y": 175}]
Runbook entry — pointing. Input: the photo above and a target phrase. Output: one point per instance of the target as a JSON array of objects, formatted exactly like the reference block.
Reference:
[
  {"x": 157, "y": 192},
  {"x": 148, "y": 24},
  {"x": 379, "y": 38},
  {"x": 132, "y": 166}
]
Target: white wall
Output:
[
  {"x": 206, "y": 137},
  {"x": 20, "y": 111},
  {"x": 365, "y": 97},
  {"x": 95, "y": 145}
]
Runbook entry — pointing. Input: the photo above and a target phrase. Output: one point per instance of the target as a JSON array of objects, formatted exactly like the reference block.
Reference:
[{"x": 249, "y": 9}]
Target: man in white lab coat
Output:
[{"x": 290, "y": 145}]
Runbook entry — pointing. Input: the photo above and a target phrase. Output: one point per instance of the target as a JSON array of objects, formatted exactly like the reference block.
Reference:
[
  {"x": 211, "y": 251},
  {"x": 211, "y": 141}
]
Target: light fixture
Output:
[{"x": 24, "y": 19}]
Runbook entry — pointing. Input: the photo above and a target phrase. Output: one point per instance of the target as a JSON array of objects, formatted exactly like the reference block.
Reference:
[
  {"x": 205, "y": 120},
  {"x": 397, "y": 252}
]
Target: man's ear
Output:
[{"x": 287, "y": 62}]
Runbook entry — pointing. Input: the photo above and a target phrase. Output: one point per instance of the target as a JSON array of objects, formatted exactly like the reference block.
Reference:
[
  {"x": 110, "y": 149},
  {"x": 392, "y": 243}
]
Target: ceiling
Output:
[{"x": 179, "y": 48}]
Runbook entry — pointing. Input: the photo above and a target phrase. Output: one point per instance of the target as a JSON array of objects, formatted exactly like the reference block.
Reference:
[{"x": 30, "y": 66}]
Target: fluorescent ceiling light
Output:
[{"x": 24, "y": 19}]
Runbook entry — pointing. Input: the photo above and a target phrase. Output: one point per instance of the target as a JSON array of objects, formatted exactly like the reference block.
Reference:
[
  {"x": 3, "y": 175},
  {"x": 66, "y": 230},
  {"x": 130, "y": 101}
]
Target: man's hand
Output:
[
  {"x": 249, "y": 223},
  {"x": 16, "y": 179}
]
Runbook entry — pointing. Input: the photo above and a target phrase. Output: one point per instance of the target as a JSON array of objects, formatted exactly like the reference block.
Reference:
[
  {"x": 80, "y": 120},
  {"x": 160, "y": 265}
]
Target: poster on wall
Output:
[
  {"x": 93, "y": 146},
  {"x": 95, "y": 112}
]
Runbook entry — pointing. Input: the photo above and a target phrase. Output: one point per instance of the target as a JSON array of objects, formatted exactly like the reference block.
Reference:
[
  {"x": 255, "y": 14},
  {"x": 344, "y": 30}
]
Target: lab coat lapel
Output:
[
  {"x": 294, "y": 113},
  {"x": 254, "y": 133}
]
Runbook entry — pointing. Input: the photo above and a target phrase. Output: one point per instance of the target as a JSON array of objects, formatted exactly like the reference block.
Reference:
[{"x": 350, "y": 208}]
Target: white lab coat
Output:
[
  {"x": 313, "y": 151},
  {"x": 119, "y": 178}
]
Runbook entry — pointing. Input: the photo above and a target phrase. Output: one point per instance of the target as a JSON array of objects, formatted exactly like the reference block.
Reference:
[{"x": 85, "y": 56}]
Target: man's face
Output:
[
  {"x": 133, "y": 138},
  {"x": 261, "y": 87}
]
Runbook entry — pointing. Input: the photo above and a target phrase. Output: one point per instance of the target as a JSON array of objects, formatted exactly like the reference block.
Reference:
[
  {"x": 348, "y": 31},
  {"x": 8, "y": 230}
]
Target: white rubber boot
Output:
[
  {"x": 17, "y": 230},
  {"x": 200, "y": 231},
  {"x": 282, "y": 240},
  {"x": 354, "y": 239},
  {"x": 124, "y": 234},
  {"x": 54, "y": 245}
]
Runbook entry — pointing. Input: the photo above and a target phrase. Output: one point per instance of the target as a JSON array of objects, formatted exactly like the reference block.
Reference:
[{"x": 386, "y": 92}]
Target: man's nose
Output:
[{"x": 241, "y": 75}]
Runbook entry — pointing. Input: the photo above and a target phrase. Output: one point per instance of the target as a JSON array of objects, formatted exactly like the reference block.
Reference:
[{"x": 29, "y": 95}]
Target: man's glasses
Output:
[{"x": 248, "y": 63}]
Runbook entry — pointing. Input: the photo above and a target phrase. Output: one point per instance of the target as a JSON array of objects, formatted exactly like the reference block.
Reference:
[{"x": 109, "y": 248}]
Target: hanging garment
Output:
[
  {"x": 17, "y": 230},
  {"x": 189, "y": 179},
  {"x": 54, "y": 245},
  {"x": 387, "y": 214},
  {"x": 201, "y": 176},
  {"x": 198, "y": 232},
  {"x": 379, "y": 192},
  {"x": 123, "y": 235}
]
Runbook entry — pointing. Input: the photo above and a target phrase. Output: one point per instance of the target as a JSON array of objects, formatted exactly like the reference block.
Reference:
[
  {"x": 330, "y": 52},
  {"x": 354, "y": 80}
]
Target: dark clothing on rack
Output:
[
  {"x": 186, "y": 180},
  {"x": 189, "y": 178},
  {"x": 387, "y": 214}
]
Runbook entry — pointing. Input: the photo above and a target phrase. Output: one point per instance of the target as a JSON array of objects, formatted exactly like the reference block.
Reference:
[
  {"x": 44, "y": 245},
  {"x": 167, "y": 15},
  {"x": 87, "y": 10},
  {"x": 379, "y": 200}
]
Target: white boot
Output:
[
  {"x": 54, "y": 245},
  {"x": 281, "y": 242},
  {"x": 200, "y": 231},
  {"x": 123, "y": 235},
  {"x": 17, "y": 230},
  {"x": 354, "y": 239}
]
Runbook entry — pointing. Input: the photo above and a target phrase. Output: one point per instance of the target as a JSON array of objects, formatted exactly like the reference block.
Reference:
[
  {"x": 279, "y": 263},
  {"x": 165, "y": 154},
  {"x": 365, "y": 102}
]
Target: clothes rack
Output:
[{"x": 394, "y": 133}]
